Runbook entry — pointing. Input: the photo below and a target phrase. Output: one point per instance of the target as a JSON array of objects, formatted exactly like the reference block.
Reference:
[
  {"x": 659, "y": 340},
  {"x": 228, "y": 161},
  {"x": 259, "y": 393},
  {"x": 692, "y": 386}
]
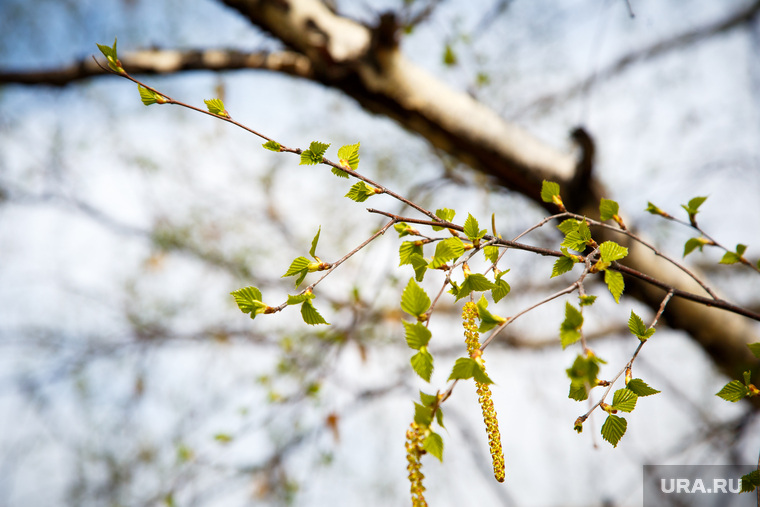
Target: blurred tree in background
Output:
[{"x": 129, "y": 377}]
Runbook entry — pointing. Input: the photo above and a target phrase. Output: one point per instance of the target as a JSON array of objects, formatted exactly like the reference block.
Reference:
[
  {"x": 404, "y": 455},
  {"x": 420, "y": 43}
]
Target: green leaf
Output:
[
  {"x": 488, "y": 321},
  {"x": 607, "y": 209},
  {"x": 611, "y": 251},
  {"x": 248, "y": 300},
  {"x": 733, "y": 391},
  {"x": 407, "y": 249},
  {"x": 651, "y": 208},
  {"x": 310, "y": 314},
  {"x": 361, "y": 191},
  {"x": 414, "y": 300},
  {"x": 445, "y": 214},
  {"x": 216, "y": 106},
  {"x": 272, "y": 146},
  {"x": 613, "y": 429},
  {"x": 314, "y": 154},
  {"x": 624, "y": 400},
  {"x": 149, "y": 97},
  {"x": 223, "y": 438},
  {"x": 615, "y": 283},
  {"x": 474, "y": 283},
  {"x": 587, "y": 300},
  {"x": 349, "y": 156},
  {"x": 313, "y": 249},
  {"x": 638, "y": 328},
  {"x": 297, "y": 300},
  {"x": 569, "y": 225},
  {"x": 734, "y": 257},
  {"x": 433, "y": 444},
  {"x": 584, "y": 371},
  {"x": 446, "y": 250},
  {"x": 502, "y": 288},
  {"x": 299, "y": 265},
  {"x": 466, "y": 368},
  {"x": 548, "y": 190},
  {"x": 472, "y": 230},
  {"x": 449, "y": 57},
  {"x": 570, "y": 329},
  {"x": 562, "y": 265},
  {"x": 640, "y": 388},
  {"x": 491, "y": 253},
  {"x": 579, "y": 238},
  {"x": 751, "y": 481},
  {"x": 755, "y": 348},
  {"x": 113, "y": 60},
  {"x": 417, "y": 335},
  {"x": 404, "y": 229},
  {"x": 577, "y": 392},
  {"x": 428, "y": 399},
  {"x": 693, "y": 243},
  {"x": 420, "y": 266},
  {"x": 422, "y": 364},
  {"x": 422, "y": 415},
  {"x": 693, "y": 207}
]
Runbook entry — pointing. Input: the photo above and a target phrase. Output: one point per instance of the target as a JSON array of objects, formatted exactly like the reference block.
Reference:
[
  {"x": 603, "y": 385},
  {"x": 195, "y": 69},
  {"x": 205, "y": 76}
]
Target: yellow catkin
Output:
[
  {"x": 472, "y": 339},
  {"x": 414, "y": 451}
]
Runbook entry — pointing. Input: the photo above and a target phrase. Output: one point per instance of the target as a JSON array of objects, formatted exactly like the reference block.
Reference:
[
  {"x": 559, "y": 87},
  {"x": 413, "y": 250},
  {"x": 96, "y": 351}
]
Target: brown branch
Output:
[{"x": 167, "y": 61}]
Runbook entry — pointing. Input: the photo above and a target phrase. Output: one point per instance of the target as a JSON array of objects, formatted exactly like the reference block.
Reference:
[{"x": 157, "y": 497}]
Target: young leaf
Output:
[
  {"x": 579, "y": 238},
  {"x": 297, "y": 300},
  {"x": 422, "y": 415},
  {"x": 755, "y": 349},
  {"x": 587, "y": 300},
  {"x": 349, "y": 156},
  {"x": 422, "y": 364},
  {"x": 584, "y": 371},
  {"x": 113, "y": 60},
  {"x": 751, "y": 481},
  {"x": 474, "y": 283},
  {"x": 407, "y": 249},
  {"x": 570, "y": 329},
  {"x": 420, "y": 266},
  {"x": 491, "y": 253},
  {"x": 272, "y": 146},
  {"x": 465, "y": 368},
  {"x": 248, "y": 300},
  {"x": 733, "y": 391},
  {"x": 611, "y": 251},
  {"x": 693, "y": 243},
  {"x": 298, "y": 265},
  {"x": 433, "y": 444},
  {"x": 734, "y": 257},
  {"x": 577, "y": 392},
  {"x": 640, "y": 388},
  {"x": 361, "y": 191},
  {"x": 445, "y": 214},
  {"x": 310, "y": 314},
  {"x": 607, "y": 209},
  {"x": 549, "y": 190},
  {"x": 693, "y": 207},
  {"x": 638, "y": 328},
  {"x": 613, "y": 429},
  {"x": 313, "y": 249},
  {"x": 404, "y": 229},
  {"x": 568, "y": 225},
  {"x": 615, "y": 283},
  {"x": 471, "y": 229},
  {"x": 562, "y": 265},
  {"x": 149, "y": 97},
  {"x": 502, "y": 288},
  {"x": 488, "y": 321},
  {"x": 624, "y": 400},
  {"x": 445, "y": 250},
  {"x": 417, "y": 335},
  {"x": 414, "y": 300},
  {"x": 654, "y": 210},
  {"x": 314, "y": 154},
  {"x": 216, "y": 106}
]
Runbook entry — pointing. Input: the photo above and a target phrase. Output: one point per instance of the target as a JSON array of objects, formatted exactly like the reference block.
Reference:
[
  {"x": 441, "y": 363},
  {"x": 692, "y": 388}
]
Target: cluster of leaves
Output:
[{"x": 452, "y": 252}]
